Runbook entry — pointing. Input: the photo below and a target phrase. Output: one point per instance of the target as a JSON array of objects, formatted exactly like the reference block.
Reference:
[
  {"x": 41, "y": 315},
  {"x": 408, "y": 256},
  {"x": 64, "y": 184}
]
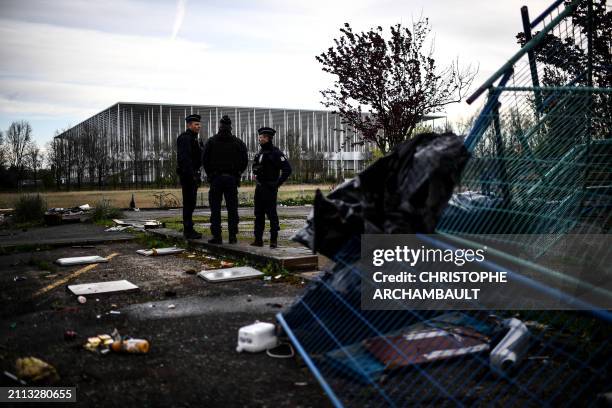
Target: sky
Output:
[{"x": 62, "y": 61}]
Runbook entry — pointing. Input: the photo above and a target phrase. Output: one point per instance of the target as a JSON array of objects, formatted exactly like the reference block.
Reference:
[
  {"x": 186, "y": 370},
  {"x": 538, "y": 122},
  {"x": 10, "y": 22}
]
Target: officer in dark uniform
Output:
[
  {"x": 225, "y": 158},
  {"x": 189, "y": 160},
  {"x": 271, "y": 169}
]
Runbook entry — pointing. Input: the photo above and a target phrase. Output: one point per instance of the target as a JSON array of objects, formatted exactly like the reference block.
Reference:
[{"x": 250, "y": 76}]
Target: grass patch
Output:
[
  {"x": 30, "y": 209},
  {"x": 296, "y": 201},
  {"x": 104, "y": 211},
  {"x": 155, "y": 241}
]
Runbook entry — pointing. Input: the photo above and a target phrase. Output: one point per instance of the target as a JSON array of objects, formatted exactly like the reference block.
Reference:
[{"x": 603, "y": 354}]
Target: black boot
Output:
[
  {"x": 215, "y": 240},
  {"x": 257, "y": 243},
  {"x": 273, "y": 240},
  {"x": 233, "y": 239},
  {"x": 193, "y": 234}
]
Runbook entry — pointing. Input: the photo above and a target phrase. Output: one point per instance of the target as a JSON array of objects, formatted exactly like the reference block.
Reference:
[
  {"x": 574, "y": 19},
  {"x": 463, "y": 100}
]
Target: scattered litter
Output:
[
  {"x": 85, "y": 207},
  {"x": 512, "y": 348},
  {"x": 171, "y": 306},
  {"x": 160, "y": 251},
  {"x": 129, "y": 345},
  {"x": 116, "y": 229},
  {"x": 102, "y": 287},
  {"x": 256, "y": 337},
  {"x": 277, "y": 277},
  {"x": 115, "y": 312},
  {"x": 70, "y": 335},
  {"x": 80, "y": 260},
  {"x": 191, "y": 256},
  {"x": 113, "y": 306},
  {"x": 19, "y": 278},
  {"x": 98, "y": 316},
  {"x": 267, "y": 278},
  {"x": 139, "y": 224},
  {"x": 226, "y": 264},
  {"x": 284, "y": 350},
  {"x": 229, "y": 274},
  {"x": 170, "y": 293},
  {"x": 35, "y": 370},
  {"x": 82, "y": 299},
  {"x": 56, "y": 216},
  {"x": 100, "y": 343}
]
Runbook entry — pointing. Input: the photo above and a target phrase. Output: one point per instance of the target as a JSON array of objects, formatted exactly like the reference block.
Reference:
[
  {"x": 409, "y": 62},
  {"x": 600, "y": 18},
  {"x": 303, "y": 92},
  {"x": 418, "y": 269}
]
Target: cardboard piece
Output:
[
  {"x": 101, "y": 287},
  {"x": 230, "y": 274},
  {"x": 80, "y": 260}
]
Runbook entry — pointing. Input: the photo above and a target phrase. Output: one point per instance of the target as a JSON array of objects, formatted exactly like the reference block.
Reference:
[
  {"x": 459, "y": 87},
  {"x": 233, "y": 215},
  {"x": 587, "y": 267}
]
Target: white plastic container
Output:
[
  {"x": 256, "y": 337},
  {"x": 512, "y": 348}
]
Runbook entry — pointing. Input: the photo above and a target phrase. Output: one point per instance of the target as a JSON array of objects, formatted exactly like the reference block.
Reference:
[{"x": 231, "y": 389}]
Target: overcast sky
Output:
[{"x": 62, "y": 61}]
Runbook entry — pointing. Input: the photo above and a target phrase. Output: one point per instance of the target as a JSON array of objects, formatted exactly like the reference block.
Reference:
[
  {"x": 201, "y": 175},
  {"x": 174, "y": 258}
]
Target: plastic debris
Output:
[
  {"x": 512, "y": 348},
  {"x": 256, "y": 337},
  {"x": 36, "y": 370},
  {"x": 100, "y": 343},
  {"x": 171, "y": 306},
  {"x": 403, "y": 192},
  {"x": 226, "y": 264},
  {"x": 126, "y": 344},
  {"x": 81, "y": 260},
  {"x": 82, "y": 299},
  {"x": 160, "y": 251},
  {"x": 115, "y": 312}
]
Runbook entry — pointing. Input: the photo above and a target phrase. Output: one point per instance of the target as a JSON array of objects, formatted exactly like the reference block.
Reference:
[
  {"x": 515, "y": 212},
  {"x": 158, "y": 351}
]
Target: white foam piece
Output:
[
  {"x": 160, "y": 251},
  {"x": 101, "y": 287},
  {"x": 230, "y": 274},
  {"x": 81, "y": 260}
]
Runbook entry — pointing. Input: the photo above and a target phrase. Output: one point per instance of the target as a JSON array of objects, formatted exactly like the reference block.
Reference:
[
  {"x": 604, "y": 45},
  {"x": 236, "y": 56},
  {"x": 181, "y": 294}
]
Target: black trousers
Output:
[
  {"x": 265, "y": 205},
  {"x": 189, "y": 189},
  {"x": 224, "y": 185}
]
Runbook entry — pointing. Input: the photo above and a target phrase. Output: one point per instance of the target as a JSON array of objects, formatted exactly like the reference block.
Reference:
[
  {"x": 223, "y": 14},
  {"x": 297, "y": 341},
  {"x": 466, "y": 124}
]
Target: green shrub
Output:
[
  {"x": 103, "y": 210},
  {"x": 30, "y": 208}
]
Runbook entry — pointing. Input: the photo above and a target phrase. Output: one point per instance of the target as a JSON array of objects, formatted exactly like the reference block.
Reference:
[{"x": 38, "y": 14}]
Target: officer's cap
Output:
[
  {"x": 193, "y": 118},
  {"x": 267, "y": 131},
  {"x": 225, "y": 120}
]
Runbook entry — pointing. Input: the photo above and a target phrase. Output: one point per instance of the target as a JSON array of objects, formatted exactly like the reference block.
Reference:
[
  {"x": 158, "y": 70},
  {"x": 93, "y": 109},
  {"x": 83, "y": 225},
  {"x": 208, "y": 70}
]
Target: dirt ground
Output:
[
  {"x": 192, "y": 361},
  {"x": 146, "y": 198}
]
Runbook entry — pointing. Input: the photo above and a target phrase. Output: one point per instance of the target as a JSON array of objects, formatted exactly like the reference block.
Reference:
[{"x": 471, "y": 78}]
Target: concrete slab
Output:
[
  {"x": 290, "y": 258},
  {"x": 230, "y": 274},
  {"x": 97, "y": 288},
  {"x": 60, "y": 235}
]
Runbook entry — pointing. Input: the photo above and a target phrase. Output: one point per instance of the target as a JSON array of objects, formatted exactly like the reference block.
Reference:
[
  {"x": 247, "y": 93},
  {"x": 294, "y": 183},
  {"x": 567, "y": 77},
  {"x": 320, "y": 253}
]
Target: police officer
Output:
[
  {"x": 271, "y": 169},
  {"x": 189, "y": 160},
  {"x": 225, "y": 158}
]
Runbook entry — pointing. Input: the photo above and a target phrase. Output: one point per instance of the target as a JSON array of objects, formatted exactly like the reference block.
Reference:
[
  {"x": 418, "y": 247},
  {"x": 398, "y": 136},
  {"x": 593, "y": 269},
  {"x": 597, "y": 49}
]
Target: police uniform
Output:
[
  {"x": 225, "y": 158},
  {"x": 189, "y": 161},
  {"x": 271, "y": 169}
]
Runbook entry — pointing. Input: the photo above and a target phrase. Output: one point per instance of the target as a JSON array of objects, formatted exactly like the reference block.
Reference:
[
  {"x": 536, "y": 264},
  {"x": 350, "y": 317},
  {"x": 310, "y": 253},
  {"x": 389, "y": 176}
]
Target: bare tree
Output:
[
  {"x": 3, "y": 151},
  {"x": 33, "y": 158},
  {"x": 55, "y": 159},
  {"x": 18, "y": 137},
  {"x": 396, "y": 81}
]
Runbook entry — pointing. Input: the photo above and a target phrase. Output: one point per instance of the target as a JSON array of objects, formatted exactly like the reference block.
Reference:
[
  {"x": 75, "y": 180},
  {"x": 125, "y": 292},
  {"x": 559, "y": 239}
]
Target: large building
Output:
[{"x": 140, "y": 139}]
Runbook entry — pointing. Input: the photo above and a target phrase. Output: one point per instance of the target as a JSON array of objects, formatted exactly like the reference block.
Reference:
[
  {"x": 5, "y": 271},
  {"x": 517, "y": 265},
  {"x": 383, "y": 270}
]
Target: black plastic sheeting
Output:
[{"x": 403, "y": 192}]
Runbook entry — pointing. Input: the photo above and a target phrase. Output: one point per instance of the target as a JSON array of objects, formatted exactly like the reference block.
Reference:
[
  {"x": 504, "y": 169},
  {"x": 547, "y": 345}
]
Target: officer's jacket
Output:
[
  {"x": 270, "y": 165},
  {"x": 188, "y": 154},
  {"x": 225, "y": 153}
]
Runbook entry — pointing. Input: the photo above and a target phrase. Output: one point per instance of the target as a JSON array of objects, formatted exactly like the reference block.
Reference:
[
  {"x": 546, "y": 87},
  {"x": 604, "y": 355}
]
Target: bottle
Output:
[{"x": 137, "y": 346}]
